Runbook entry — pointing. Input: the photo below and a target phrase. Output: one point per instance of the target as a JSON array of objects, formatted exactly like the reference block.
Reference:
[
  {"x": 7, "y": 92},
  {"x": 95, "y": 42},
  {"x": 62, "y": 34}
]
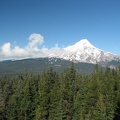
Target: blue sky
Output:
[{"x": 62, "y": 22}]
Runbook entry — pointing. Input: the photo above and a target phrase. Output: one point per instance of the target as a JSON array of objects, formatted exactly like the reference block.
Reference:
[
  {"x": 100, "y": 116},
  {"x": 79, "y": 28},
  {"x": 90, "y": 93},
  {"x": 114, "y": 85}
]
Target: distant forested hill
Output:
[{"x": 11, "y": 67}]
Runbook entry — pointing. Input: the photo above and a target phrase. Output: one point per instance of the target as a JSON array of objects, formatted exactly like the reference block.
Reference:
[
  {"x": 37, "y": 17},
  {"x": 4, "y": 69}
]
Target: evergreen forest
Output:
[{"x": 69, "y": 95}]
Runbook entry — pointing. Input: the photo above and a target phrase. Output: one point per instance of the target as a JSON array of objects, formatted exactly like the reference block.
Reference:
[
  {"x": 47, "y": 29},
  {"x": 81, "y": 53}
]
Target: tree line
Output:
[{"x": 66, "y": 96}]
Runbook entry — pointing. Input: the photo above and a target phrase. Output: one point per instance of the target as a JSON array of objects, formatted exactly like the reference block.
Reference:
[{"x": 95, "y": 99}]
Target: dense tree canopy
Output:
[{"x": 69, "y": 96}]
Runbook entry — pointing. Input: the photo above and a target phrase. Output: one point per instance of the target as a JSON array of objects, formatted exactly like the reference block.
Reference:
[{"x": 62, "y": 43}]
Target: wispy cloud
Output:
[
  {"x": 35, "y": 41},
  {"x": 30, "y": 50}
]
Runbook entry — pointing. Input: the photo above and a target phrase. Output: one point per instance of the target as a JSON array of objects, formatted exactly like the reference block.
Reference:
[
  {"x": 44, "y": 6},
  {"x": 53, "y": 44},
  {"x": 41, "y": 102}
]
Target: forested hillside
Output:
[
  {"x": 38, "y": 65},
  {"x": 66, "y": 96}
]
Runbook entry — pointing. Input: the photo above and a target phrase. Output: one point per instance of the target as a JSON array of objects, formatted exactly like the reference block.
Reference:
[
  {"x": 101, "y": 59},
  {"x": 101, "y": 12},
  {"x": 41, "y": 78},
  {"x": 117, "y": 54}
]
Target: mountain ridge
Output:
[
  {"x": 84, "y": 51},
  {"x": 81, "y": 51},
  {"x": 83, "y": 54}
]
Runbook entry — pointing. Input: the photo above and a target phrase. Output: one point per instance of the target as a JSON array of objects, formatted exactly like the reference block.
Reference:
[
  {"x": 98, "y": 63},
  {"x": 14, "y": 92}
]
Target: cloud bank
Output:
[{"x": 31, "y": 50}]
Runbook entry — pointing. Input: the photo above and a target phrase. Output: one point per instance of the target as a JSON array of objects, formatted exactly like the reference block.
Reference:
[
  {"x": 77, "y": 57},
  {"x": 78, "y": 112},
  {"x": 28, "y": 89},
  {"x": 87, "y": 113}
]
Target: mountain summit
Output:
[
  {"x": 81, "y": 45},
  {"x": 84, "y": 42},
  {"x": 81, "y": 51},
  {"x": 84, "y": 51}
]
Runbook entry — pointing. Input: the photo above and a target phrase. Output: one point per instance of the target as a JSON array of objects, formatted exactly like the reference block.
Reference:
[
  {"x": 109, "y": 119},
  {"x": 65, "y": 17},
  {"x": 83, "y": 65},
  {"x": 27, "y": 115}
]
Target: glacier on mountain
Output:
[{"x": 84, "y": 51}]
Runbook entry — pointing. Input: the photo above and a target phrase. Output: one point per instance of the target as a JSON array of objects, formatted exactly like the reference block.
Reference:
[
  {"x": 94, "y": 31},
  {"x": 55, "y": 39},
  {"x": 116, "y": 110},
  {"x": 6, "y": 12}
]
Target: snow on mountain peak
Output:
[
  {"x": 84, "y": 51},
  {"x": 80, "y": 46},
  {"x": 84, "y": 42}
]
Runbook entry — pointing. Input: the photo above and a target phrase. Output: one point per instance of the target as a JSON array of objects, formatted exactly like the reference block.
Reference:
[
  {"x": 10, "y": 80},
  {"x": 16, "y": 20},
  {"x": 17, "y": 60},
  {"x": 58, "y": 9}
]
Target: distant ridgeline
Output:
[
  {"x": 37, "y": 65},
  {"x": 68, "y": 95}
]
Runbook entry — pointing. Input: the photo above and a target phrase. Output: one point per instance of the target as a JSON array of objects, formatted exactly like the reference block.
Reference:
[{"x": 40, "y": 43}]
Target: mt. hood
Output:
[{"x": 84, "y": 51}]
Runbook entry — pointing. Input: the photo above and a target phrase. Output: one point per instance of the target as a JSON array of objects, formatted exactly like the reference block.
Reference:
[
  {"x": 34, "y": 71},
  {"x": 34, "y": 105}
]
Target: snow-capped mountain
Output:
[{"x": 84, "y": 51}]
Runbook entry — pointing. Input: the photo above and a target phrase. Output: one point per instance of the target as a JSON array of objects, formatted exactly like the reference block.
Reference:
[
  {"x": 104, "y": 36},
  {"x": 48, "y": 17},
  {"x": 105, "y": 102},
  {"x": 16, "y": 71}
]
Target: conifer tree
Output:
[{"x": 68, "y": 92}]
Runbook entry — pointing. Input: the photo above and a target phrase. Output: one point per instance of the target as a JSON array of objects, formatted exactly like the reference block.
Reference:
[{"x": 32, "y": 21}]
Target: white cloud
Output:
[
  {"x": 6, "y": 50},
  {"x": 35, "y": 40},
  {"x": 30, "y": 50},
  {"x": 19, "y": 52}
]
